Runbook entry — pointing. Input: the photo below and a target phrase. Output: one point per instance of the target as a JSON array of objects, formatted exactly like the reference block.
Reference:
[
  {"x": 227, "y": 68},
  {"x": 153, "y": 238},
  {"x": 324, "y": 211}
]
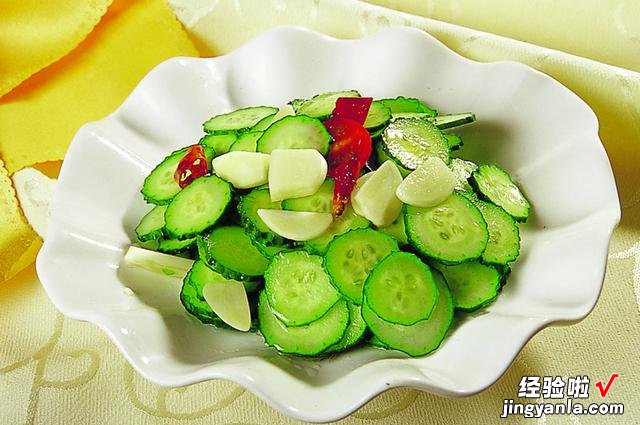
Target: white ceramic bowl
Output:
[{"x": 530, "y": 124}]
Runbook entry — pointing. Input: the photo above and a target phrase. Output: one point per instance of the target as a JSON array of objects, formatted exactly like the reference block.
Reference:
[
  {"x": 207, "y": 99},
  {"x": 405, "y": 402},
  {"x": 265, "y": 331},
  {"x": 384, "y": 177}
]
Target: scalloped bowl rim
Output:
[{"x": 300, "y": 399}]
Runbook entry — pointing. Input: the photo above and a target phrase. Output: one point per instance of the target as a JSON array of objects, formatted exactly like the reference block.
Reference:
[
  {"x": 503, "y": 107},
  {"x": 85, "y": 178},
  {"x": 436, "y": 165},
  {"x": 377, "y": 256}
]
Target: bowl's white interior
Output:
[{"x": 538, "y": 130}]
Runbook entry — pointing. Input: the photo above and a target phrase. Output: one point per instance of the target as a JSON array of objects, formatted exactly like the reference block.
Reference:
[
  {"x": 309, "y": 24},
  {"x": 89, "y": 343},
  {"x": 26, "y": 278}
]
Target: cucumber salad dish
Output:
[{"x": 332, "y": 222}]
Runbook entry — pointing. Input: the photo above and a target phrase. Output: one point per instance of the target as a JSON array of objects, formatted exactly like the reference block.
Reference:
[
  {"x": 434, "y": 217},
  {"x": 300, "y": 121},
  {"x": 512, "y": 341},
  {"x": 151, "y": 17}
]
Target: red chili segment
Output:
[
  {"x": 193, "y": 164},
  {"x": 354, "y": 108},
  {"x": 348, "y": 153}
]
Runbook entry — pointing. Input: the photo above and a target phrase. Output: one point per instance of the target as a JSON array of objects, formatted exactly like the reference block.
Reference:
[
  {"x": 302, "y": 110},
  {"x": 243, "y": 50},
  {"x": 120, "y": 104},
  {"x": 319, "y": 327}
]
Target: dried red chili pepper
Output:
[
  {"x": 348, "y": 153},
  {"x": 193, "y": 164}
]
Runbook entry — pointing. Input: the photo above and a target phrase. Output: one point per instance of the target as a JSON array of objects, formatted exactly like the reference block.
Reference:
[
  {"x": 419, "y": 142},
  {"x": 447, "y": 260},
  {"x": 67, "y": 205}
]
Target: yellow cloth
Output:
[
  {"x": 40, "y": 117},
  {"x": 605, "y": 30},
  {"x": 36, "y": 33},
  {"x": 57, "y": 370},
  {"x": 18, "y": 242}
]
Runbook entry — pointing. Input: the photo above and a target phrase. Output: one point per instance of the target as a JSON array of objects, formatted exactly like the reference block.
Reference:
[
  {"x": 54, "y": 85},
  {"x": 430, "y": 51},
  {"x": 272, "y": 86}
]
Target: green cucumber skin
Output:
[
  {"x": 403, "y": 104},
  {"x": 321, "y": 105},
  {"x": 501, "y": 226},
  {"x": 248, "y": 206}
]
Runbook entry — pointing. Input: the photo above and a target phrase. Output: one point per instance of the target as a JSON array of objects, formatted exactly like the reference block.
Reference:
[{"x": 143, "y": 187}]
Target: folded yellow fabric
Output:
[
  {"x": 36, "y": 33},
  {"x": 40, "y": 117},
  {"x": 18, "y": 242}
]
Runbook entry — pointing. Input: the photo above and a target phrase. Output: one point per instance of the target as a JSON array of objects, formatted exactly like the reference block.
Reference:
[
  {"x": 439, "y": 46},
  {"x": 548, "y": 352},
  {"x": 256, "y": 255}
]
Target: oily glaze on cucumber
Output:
[
  {"x": 220, "y": 143},
  {"x": 175, "y": 246},
  {"x": 409, "y": 141},
  {"x": 451, "y": 232}
]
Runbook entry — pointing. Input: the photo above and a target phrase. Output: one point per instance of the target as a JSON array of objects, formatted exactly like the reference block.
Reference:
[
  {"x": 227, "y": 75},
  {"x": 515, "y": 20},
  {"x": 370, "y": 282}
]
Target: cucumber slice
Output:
[
  {"x": 420, "y": 338},
  {"x": 403, "y": 104},
  {"x": 248, "y": 207},
  {"x": 220, "y": 143},
  {"x": 495, "y": 185},
  {"x": 191, "y": 293},
  {"x": 400, "y": 289},
  {"x": 244, "y": 170},
  {"x": 246, "y": 142},
  {"x": 462, "y": 170},
  {"x": 294, "y": 173},
  {"x": 262, "y": 124},
  {"x": 347, "y": 221},
  {"x": 504, "y": 237},
  {"x": 238, "y": 120},
  {"x": 454, "y": 120},
  {"x": 152, "y": 224},
  {"x": 428, "y": 185},
  {"x": 298, "y": 288},
  {"x": 382, "y": 156},
  {"x": 473, "y": 285},
  {"x": 320, "y": 201},
  {"x": 409, "y": 141},
  {"x": 310, "y": 339},
  {"x": 228, "y": 300},
  {"x": 160, "y": 186},
  {"x": 351, "y": 257},
  {"x": 353, "y": 334},
  {"x": 396, "y": 230},
  {"x": 378, "y": 116},
  {"x": 284, "y": 111},
  {"x": 321, "y": 105},
  {"x": 229, "y": 251},
  {"x": 295, "y": 132},
  {"x": 175, "y": 246},
  {"x": 454, "y": 141},
  {"x": 296, "y": 225},
  {"x": 197, "y": 207},
  {"x": 451, "y": 232}
]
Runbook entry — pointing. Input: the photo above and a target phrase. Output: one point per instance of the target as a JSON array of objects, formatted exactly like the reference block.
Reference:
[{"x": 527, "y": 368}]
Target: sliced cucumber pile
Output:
[{"x": 423, "y": 235}]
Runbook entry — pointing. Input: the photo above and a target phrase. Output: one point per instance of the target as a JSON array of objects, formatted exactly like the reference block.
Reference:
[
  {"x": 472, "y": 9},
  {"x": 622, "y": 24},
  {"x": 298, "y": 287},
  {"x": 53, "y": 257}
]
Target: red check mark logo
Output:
[{"x": 605, "y": 389}]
